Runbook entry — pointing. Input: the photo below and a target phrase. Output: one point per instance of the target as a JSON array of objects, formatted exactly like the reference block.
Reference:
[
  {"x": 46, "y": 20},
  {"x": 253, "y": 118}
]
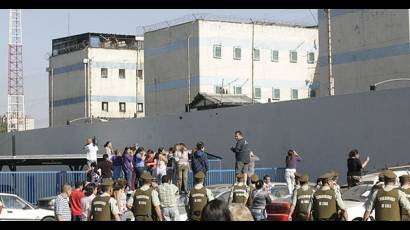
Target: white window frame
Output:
[
  {"x": 102, "y": 106},
  {"x": 235, "y": 90},
  {"x": 125, "y": 107},
  {"x": 274, "y": 94},
  {"x": 290, "y": 56},
  {"x": 260, "y": 96},
  {"x": 214, "y": 51},
  {"x": 258, "y": 51},
  {"x": 140, "y": 76},
  {"x": 310, "y": 61},
  {"x": 119, "y": 73},
  {"x": 140, "y": 107},
  {"x": 106, "y": 72},
  {"x": 291, "y": 94},
  {"x": 277, "y": 56},
  {"x": 240, "y": 53}
]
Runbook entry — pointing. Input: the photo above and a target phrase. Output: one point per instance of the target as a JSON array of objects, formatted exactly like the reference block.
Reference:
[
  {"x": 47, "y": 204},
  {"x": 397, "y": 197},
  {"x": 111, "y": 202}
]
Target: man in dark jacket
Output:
[
  {"x": 242, "y": 156},
  {"x": 199, "y": 161},
  {"x": 105, "y": 166}
]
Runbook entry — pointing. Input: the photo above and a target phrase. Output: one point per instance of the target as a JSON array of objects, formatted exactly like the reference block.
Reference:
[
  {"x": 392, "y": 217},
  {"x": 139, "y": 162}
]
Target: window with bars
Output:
[
  {"x": 237, "y": 53},
  {"x": 275, "y": 56},
  {"x": 219, "y": 90},
  {"x": 258, "y": 93},
  {"x": 122, "y": 107},
  {"x": 217, "y": 51},
  {"x": 276, "y": 94},
  {"x": 104, "y": 106},
  {"x": 139, "y": 73},
  {"x": 310, "y": 57},
  {"x": 140, "y": 107},
  {"x": 293, "y": 56},
  {"x": 294, "y": 94},
  {"x": 104, "y": 73},
  {"x": 256, "y": 54},
  {"x": 121, "y": 73}
]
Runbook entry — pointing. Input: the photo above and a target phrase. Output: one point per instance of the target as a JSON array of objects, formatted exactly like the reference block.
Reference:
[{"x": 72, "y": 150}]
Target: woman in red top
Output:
[{"x": 150, "y": 161}]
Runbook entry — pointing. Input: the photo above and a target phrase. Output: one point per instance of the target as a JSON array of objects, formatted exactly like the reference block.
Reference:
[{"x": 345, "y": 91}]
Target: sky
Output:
[{"x": 41, "y": 26}]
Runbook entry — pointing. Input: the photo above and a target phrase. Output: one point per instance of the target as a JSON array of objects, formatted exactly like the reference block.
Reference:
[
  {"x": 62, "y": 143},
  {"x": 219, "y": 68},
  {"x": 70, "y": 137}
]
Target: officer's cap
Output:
[
  {"x": 326, "y": 176},
  {"x": 334, "y": 174},
  {"x": 107, "y": 182},
  {"x": 146, "y": 176},
  {"x": 200, "y": 175},
  {"x": 297, "y": 175},
  {"x": 304, "y": 178},
  {"x": 389, "y": 174},
  {"x": 254, "y": 178},
  {"x": 404, "y": 177}
]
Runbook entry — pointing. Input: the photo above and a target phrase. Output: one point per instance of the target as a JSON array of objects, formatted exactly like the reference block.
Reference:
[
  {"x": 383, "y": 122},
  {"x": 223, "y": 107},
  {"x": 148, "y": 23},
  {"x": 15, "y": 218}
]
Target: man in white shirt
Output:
[{"x": 91, "y": 151}]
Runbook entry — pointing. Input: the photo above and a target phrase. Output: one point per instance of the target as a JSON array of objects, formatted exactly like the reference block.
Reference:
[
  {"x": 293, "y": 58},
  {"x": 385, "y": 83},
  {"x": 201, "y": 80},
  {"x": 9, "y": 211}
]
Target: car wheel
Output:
[{"x": 48, "y": 218}]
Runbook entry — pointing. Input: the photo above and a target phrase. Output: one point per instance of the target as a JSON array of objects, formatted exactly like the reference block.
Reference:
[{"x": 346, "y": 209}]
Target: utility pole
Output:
[
  {"x": 253, "y": 44},
  {"x": 331, "y": 78},
  {"x": 189, "y": 72}
]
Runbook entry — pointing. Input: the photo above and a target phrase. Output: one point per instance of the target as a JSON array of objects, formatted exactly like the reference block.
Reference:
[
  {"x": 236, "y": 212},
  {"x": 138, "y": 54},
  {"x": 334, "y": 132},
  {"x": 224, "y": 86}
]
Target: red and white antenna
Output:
[{"x": 15, "y": 111}]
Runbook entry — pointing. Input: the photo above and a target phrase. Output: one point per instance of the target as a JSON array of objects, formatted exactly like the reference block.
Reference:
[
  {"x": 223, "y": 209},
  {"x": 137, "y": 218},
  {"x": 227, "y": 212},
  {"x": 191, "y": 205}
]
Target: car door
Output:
[{"x": 15, "y": 209}]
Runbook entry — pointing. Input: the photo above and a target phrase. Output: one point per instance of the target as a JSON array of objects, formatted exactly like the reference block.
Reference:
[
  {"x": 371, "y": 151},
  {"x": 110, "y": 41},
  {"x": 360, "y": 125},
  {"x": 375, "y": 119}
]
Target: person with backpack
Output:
[
  {"x": 199, "y": 161},
  {"x": 171, "y": 164}
]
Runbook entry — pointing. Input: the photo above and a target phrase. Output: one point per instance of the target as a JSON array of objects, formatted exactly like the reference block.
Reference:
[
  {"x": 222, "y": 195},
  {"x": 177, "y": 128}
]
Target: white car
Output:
[
  {"x": 15, "y": 208},
  {"x": 372, "y": 178}
]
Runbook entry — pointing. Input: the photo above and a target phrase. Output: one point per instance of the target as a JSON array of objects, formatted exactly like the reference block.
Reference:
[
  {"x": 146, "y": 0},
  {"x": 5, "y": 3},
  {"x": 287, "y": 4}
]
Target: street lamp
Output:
[{"x": 374, "y": 86}]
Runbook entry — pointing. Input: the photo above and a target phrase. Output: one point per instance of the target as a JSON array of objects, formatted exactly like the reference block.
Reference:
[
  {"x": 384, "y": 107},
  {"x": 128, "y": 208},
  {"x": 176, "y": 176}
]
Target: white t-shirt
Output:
[{"x": 91, "y": 152}]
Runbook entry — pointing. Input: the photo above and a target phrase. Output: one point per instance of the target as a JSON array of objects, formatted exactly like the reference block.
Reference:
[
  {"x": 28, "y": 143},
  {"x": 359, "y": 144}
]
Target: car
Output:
[
  {"x": 354, "y": 199},
  {"x": 373, "y": 178},
  {"x": 17, "y": 209}
]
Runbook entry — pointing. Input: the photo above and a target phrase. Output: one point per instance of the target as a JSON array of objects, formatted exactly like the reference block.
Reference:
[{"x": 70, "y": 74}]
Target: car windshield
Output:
[
  {"x": 357, "y": 193},
  {"x": 280, "y": 194}
]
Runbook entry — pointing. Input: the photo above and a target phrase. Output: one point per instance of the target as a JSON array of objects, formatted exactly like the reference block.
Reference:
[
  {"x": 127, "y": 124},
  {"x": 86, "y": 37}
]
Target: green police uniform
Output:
[
  {"x": 142, "y": 201},
  {"x": 304, "y": 197},
  {"x": 254, "y": 179},
  {"x": 388, "y": 200},
  {"x": 198, "y": 199},
  {"x": 239, "y": 192},
  {"x": 324, "y": 202},
  {"x": 406, "y": 189},
  {"x": 100, "y": 206}
]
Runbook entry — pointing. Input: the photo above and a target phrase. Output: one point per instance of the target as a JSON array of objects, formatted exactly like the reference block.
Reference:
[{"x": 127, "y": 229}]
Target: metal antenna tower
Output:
[{"x": 15, "y": 108}]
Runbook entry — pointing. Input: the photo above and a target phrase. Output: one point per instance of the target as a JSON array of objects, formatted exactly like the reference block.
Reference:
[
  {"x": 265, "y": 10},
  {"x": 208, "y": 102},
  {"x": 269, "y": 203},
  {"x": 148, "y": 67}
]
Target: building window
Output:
[
  {"x": 237, "y": 53},
  {"x": 237, "y": 90},
  {"x": 219, "y": 90},
  {"x": 293, "y": 94},
  {"x": 275, "y": 56},
  {"x": 258, "y": 93},
  {"x": 139, "y": 73},
  {"x": 140, "y": 107},
  {"x": 276, "y": 94},
  {"x": 122, "y": 107},
  {"x": 310, "y": 57},
  {"x": 104, "y": 106},
  {"x": 217, "y": 51},
  {"x": 256, "y": 54},
  {"x": 104, "y": 73},
  {"x": 312, "y": 93},
  {"x": 121, "y": 73},
  {"x": 293, "y": 56}
]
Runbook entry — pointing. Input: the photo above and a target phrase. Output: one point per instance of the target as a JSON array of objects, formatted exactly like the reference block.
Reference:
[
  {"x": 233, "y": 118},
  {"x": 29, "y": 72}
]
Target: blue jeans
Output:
[
  {"x": 117, "y": 172},
  {"x": 259, "y": 214},
  {"x": 138, "y": 173},
  {"x": 128, "y": 176}
]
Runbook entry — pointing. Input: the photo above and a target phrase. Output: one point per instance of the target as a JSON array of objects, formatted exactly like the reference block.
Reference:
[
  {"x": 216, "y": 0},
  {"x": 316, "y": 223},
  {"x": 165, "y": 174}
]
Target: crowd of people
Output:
[{"x": 148, "y": 184}]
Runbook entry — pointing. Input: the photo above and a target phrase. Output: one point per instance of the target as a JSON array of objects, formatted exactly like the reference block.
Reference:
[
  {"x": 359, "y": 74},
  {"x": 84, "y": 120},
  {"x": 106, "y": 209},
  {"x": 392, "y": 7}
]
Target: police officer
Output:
[
  {"x": 387, "y": 200},
  {"x": 302, "y": 199},
  {"x": 297, "y": 180},
  {"x": 254, "y": 179},
  {"x": 326, "y": 201},
  {"x": 336, "y": 186},
  {"x": 198, "y": 197},
  {"x": 240, "y": 191},
  {"x": 104, "y": 207},
  {"x": 144, "y": 200},
  {"x": 405, "y": 187}
]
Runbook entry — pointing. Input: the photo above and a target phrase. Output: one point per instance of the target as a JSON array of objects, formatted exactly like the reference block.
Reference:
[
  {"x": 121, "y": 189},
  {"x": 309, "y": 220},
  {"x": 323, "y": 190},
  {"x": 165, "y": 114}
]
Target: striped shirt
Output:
[
  {"x": 167, "y": 195},
  {"x": 62, "y": 208}
]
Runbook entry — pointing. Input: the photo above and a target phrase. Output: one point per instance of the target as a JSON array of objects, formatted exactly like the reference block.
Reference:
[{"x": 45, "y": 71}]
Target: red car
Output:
[{"x": 279, "y": 209}]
